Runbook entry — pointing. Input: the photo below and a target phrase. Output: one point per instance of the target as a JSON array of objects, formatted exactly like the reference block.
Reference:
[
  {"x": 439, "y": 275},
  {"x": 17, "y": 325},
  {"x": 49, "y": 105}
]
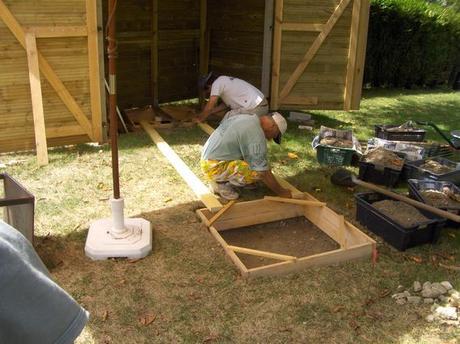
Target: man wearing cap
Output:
[
  {"x": 235, "y": 155},
  {"x": 236, "y": 94}
]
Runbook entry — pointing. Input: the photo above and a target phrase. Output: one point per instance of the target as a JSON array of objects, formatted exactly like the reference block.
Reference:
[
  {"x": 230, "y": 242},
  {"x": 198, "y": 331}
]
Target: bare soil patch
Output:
[
  {"x": 295, "y": 237},
  {"x": 402, "y": 213}
]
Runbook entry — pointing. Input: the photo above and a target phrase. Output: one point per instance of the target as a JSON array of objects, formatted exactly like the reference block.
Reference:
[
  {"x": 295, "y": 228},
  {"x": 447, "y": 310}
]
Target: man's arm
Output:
[
  {"x": 210, "y": 108},
  {"x": 271, "y": 182}
]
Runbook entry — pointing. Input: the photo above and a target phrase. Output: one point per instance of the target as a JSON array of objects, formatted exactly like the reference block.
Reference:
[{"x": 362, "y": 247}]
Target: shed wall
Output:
[
  {"x": 236, "y": 38},
  {"x": 69, "y": 59}
]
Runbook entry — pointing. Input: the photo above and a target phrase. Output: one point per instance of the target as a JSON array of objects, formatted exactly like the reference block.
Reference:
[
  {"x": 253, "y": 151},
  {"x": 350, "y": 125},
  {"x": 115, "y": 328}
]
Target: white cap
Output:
[{"x": 282, "y": 125}]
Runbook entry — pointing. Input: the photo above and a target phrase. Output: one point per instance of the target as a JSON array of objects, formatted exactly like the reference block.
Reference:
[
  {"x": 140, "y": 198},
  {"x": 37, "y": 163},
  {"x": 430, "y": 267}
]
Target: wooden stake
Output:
[
  {"x": 220, "y": 212},
  {"x": 264, "y": 254}
]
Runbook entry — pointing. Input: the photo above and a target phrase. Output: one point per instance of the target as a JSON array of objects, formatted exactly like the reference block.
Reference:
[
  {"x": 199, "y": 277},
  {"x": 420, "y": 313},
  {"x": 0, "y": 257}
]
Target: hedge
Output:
[{"x": 411, "y": 43}]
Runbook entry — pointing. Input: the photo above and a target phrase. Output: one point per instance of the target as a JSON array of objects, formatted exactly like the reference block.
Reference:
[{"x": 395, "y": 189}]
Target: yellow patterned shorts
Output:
[{"x": 237, "y": 172}]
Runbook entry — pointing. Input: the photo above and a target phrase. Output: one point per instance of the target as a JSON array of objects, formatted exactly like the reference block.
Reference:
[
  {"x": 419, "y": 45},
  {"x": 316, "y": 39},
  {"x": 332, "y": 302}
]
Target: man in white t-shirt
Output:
[{"x": 236, "y": 94}]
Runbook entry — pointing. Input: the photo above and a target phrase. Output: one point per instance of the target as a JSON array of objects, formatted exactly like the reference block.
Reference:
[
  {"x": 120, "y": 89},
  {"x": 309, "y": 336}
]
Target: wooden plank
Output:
[
  {"x": 206, "y": 128},
  {"x": 259, "y": 253},
  {"x": 267, "y": 47},
  {"x": 93, "y": 64},
  {"x": 220, "y": 213},
  {"x": 64, "y": 131},
  {"x": 47, "y": 71},
  {"x": 302, "y": 27},
  {"x": 204, "y": 37},
  {"x": 295, "y": 201},
  {"x": 233, "y": 257},
  {"x": 154, "y": 53},
  {"x": 313, "y": 48},
  {"x": 322, "y": 259},
  {"x": 255, "y": 212},
  {"x": 58, "y": 31},
  {"x": 300, "y": 100},
  {"x": 276, "y": 56},
  {"x": 37, "y": 101},
  {"x": 357, "y": 87},
  {"x": 210, "y": 201},
  {"x": 352, "y": 51}
]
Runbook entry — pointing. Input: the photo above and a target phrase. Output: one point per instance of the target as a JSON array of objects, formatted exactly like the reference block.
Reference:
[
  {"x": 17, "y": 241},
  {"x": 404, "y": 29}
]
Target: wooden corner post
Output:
[{"x": 37, "y": 100}]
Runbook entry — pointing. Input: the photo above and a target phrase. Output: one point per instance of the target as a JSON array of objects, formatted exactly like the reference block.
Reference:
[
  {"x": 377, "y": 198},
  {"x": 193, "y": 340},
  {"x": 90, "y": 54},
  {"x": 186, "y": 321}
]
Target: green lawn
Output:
[{"x": 194, "y": 293}]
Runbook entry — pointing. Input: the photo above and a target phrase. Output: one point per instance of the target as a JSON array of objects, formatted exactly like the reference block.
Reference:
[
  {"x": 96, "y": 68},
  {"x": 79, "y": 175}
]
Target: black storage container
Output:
[
  {"x": 412, "y": 170},
  {"x": 378, "y": 174},
  {"x": 416, "y": 135},
  {"x": 416, "y": 187},
  {"x": 397, "y": 236}
]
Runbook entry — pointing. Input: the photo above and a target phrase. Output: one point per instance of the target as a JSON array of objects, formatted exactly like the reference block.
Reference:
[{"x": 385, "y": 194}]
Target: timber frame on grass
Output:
[{"x": 354, "y": 244}]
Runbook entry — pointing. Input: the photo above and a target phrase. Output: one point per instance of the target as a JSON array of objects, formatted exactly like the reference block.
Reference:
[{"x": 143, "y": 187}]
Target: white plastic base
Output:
[{"x": 136, "y": 241}]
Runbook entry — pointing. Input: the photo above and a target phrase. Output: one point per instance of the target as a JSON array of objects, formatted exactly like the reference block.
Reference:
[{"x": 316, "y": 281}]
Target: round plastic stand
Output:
[{"x": 118, "y": 237}]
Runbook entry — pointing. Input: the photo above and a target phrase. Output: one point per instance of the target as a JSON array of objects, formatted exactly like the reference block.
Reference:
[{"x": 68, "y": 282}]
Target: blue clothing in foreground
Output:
[
  {"x": 238, "y": 137},
  {"x": 33, "y": 308}
]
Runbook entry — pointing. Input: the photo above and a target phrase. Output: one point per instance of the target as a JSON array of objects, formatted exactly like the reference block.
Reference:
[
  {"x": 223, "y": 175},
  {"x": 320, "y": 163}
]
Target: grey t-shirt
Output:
[
  {"x": 33, "y": 308},
  {"x": 238, "y": 137}
]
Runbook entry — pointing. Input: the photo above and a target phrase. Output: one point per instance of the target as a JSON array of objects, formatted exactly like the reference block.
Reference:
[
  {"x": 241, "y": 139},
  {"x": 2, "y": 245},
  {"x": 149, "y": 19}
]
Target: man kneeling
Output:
[{"x": 235, "y": 155}]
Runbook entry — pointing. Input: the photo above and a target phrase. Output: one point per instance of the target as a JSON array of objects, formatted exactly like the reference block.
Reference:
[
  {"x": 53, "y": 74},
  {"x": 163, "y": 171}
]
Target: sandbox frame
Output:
[{"x": 354, "y": 244}]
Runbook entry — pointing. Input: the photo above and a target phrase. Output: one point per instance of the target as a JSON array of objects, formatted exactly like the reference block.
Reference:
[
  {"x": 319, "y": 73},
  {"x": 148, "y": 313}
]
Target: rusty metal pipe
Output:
[{"x": 112, "y": 55}]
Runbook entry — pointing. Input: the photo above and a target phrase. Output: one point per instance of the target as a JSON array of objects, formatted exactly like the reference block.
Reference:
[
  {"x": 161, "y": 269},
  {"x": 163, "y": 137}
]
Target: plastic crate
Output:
[
  {"x": 18, "y": 206},
  {"x": 416, "y": 186},
  {"x": 412, "y": 170},
  {"x": 397, "y": 236},
  {"x": 329, "y": 155},
  {"x": 381, "y": 132},
  {"x": 378, "y": 175}
]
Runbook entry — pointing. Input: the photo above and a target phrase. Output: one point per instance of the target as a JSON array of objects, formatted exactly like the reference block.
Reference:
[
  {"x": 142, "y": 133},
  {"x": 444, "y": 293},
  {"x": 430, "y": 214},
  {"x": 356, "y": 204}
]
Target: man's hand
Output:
[
  {"x": 199, "y": 119},
  {"x": 285, "y": 193}
]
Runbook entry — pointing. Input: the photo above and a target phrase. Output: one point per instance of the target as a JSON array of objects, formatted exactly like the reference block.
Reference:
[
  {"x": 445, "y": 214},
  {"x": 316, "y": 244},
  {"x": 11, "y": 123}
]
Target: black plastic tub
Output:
[
  {"x": 397, "y": 236},
  {"x": 416, "y": 187},
  {"x": 412, "y": 170},
  {"x": 416, "y": 135},
  {"x": 378, "y": 174}
]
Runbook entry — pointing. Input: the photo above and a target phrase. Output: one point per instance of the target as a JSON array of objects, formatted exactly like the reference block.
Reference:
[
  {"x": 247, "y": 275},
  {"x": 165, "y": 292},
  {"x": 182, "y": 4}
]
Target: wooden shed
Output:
[{"x": 306, "y": 54}]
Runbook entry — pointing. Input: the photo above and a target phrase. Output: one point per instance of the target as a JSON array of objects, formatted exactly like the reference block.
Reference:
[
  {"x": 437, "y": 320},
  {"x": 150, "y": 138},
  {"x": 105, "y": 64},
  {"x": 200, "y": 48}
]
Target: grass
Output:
[{"x": 194, "y": 292}]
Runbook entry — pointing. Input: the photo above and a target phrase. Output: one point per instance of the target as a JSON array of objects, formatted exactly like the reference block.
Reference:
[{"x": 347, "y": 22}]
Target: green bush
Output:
[{"x": 411, "y": 43}]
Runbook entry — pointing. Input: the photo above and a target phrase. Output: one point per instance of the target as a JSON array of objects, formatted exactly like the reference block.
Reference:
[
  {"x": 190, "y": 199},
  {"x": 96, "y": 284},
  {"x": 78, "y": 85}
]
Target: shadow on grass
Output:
[{"x": 186, "y": 283}]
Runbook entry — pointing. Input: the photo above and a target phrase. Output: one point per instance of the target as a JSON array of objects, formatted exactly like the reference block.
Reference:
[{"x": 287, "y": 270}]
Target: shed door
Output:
[
  {"x": 55, "y": 44},
  {"x": 318, "y": 53}
]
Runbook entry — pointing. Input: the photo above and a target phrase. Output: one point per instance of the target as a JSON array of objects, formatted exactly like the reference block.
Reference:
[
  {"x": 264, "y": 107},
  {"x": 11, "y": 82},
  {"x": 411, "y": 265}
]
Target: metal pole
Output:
[{"x": 112, "y": 55}]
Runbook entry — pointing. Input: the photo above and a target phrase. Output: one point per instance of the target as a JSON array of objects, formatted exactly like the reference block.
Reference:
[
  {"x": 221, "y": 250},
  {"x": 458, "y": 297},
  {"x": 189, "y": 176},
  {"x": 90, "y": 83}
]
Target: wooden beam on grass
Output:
[
  {"x": 295, "y": 201},
  {"x": 208, "y": 198},
  {"x": 264, "y": 254},
  {"x": 37, "y": 100}
]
